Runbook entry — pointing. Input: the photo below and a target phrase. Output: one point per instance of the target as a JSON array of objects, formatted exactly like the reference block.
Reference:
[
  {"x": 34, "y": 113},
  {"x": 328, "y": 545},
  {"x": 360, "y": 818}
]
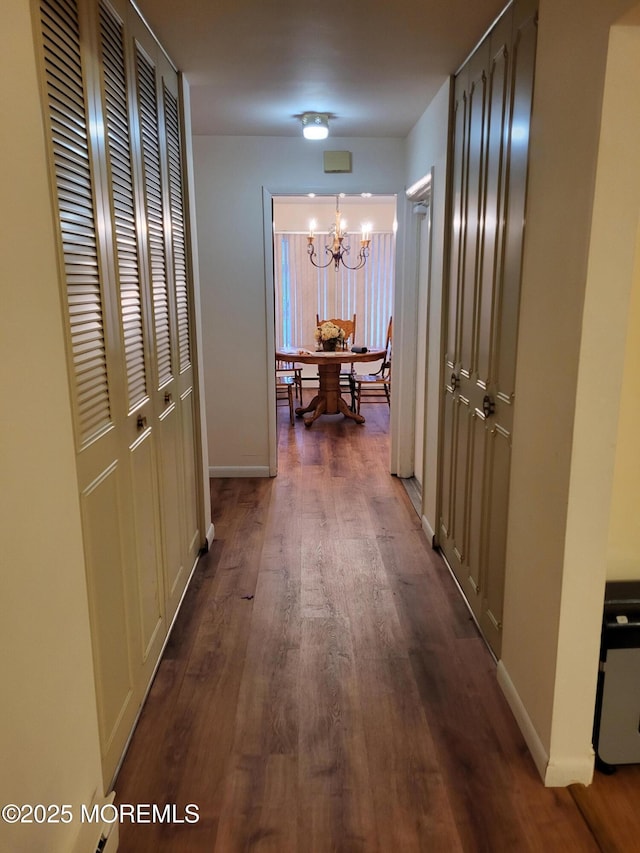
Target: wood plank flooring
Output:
[{"x": 325, "y": 689}]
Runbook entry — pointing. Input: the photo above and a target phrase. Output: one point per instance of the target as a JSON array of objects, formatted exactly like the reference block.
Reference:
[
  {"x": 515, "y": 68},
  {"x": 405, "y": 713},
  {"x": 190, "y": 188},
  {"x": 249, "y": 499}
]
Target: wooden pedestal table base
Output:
[{"x": 328, "y": 400}]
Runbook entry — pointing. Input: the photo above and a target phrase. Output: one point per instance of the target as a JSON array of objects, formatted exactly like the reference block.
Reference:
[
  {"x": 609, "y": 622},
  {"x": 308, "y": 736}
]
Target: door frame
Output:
[{"x": 396, "y": 424}]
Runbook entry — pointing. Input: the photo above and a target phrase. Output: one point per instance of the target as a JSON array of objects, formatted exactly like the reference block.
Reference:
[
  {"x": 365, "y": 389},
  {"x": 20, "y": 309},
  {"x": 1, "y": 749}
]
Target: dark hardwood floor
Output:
[{"x": 325, "y": 689}]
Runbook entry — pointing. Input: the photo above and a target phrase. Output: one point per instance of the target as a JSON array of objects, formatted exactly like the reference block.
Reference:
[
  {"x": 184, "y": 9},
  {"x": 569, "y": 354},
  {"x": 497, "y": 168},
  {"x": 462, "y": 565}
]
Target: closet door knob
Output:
[{"x": 488, "y": 406}]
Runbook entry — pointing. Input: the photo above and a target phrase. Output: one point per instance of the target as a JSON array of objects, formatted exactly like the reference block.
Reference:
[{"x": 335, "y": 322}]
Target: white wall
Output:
[
  {"x": 619, "y": 201},
  {"x": 48, "y": 724},
  {"x": 623, "y": 555},
  {"x": 230, "y": 175},
  {"x": 558, "y": 511}
]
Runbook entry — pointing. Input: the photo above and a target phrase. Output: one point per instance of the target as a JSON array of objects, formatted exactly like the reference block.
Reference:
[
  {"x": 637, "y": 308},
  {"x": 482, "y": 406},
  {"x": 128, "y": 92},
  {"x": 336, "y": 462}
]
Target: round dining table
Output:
[{"x": 328, "y": 400}]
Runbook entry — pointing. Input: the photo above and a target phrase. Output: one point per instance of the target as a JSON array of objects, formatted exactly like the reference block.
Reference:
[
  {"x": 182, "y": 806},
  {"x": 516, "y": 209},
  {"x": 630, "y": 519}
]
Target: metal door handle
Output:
[
  {"x": 141, "y": 423},
  {"x": 488, "y": 406},
  {"x": 168, "y": 398}
]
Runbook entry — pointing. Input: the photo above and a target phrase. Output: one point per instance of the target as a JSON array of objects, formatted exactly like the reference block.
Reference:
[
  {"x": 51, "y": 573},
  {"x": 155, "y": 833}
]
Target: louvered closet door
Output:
[
  {"x": 157, "y": 108},
  {"x": 96, "y": 378},
  {"x": 137, "y": 436},
  {"x": 113, "y": 115},
  {"x": 491, "y": 129}
]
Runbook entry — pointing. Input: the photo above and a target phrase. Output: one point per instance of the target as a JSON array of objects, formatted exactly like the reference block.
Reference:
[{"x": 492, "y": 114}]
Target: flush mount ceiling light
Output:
[{"x": 315, "y": 125}]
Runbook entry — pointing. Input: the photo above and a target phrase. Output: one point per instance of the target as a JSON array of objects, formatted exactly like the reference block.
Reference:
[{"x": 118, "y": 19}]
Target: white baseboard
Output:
[
  {"x": 562, "y": 773},
  {"x": 536, "y": 748},
  {"x": 554, "y": 773},
  {"x": 95, "y": 833},
  {"x": 113, "y": 840},
  {"x": 239, "y": 471},
  {"x": 211, "y": 535},
  {"x": 429, "y": 531}
]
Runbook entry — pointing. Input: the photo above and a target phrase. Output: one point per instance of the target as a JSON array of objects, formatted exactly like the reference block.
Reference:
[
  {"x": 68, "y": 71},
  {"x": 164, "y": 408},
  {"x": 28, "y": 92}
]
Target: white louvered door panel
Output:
[
  {"x": 74, "y": 185},
  {"x": 166, "y": 264},
  {"x": 94, "y": 372},
  {"x": 176, "y": 203},
  {"x": 182, "y": 294},
  {"x": 154, "y": 212},
  {"x": 138, "y": 436},
  {"x": 165, "y": 394}
]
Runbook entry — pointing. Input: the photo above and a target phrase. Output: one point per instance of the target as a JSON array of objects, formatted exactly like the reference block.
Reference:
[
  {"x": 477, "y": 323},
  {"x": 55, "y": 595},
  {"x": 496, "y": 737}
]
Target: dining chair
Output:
[
  {"x": 376, "y": 387},
  {"x": 285, "y": 385},
  {"x": 290, "y": 368},
  {"x": 347, "y": 373}
]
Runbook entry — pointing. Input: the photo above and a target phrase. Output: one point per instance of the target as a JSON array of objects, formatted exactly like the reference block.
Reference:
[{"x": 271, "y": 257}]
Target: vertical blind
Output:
[{"x": 302, "y": 291}]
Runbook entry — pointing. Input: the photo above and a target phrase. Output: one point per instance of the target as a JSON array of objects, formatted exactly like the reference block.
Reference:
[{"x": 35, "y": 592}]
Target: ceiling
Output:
[{"x": 253, "y": 65}]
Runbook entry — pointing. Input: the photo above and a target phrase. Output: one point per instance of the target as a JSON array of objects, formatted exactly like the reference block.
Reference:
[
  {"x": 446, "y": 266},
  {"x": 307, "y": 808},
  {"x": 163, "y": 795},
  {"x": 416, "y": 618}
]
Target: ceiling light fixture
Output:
[
  {"x": 315, "y": 125},
  {"x": 336, "y": 250}
]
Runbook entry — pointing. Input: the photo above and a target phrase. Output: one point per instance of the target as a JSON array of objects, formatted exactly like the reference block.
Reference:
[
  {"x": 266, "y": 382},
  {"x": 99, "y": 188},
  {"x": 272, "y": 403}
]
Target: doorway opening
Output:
[{"x": 304, "y": 293}]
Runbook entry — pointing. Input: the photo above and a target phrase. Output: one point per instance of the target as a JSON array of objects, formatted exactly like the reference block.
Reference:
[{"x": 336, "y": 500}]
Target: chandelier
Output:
[{"x": 337, "y": 250}]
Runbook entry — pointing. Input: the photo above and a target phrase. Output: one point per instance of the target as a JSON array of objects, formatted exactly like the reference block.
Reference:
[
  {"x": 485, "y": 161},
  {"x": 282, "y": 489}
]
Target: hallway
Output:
[{"x": 324, "y": 688}]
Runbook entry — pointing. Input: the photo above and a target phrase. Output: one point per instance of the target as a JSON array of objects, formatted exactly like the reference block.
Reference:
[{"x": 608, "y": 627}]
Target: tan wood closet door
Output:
[{"x": 491, "y": 128}]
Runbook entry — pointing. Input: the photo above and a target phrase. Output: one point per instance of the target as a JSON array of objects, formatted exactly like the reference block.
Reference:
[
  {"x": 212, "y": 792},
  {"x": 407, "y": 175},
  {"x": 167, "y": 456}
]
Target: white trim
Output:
[
  {"x": 270, "y": 331},
  {"x": 554, "y": 773},
  {"x": 532, "y": 739},
  {"x": 217, "y": 471},
  {"x": 420, "y": 191},
  {"x": 91, "y": 834},
  {"x": 211, "y": 535},
  {"x": 113, "y": 839},
  {"x": 404, "y": 344},
  {"x": 200, "y": 417},
  {"x": 569, "y": 772},
  {"x": 268, "y": 194},
  {"x": 491, "y": 27},
  {"x": 428, "y": 530}
]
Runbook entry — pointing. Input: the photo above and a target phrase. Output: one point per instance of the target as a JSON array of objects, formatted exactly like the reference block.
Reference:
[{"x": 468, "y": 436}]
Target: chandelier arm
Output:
[
  {"x": 358, "y": 266},
  {"x": 362, "y": 259},
  {"x": 312, "y": 254}
]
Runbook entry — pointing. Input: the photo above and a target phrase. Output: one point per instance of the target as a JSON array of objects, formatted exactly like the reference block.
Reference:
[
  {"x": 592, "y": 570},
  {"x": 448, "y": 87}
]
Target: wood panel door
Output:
[
  {"x": 492, "y": 107},
  {"x": 113, "y": 115}
]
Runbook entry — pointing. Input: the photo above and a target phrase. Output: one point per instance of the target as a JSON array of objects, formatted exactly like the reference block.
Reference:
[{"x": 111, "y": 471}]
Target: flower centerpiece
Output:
[{"x": 328, "y": 335}]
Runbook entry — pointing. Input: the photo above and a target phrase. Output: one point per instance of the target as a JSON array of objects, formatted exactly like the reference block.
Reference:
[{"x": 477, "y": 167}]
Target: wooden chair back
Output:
[
  {"x": 386, "y": 366},
  {"x": 347, "y": 326}
]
